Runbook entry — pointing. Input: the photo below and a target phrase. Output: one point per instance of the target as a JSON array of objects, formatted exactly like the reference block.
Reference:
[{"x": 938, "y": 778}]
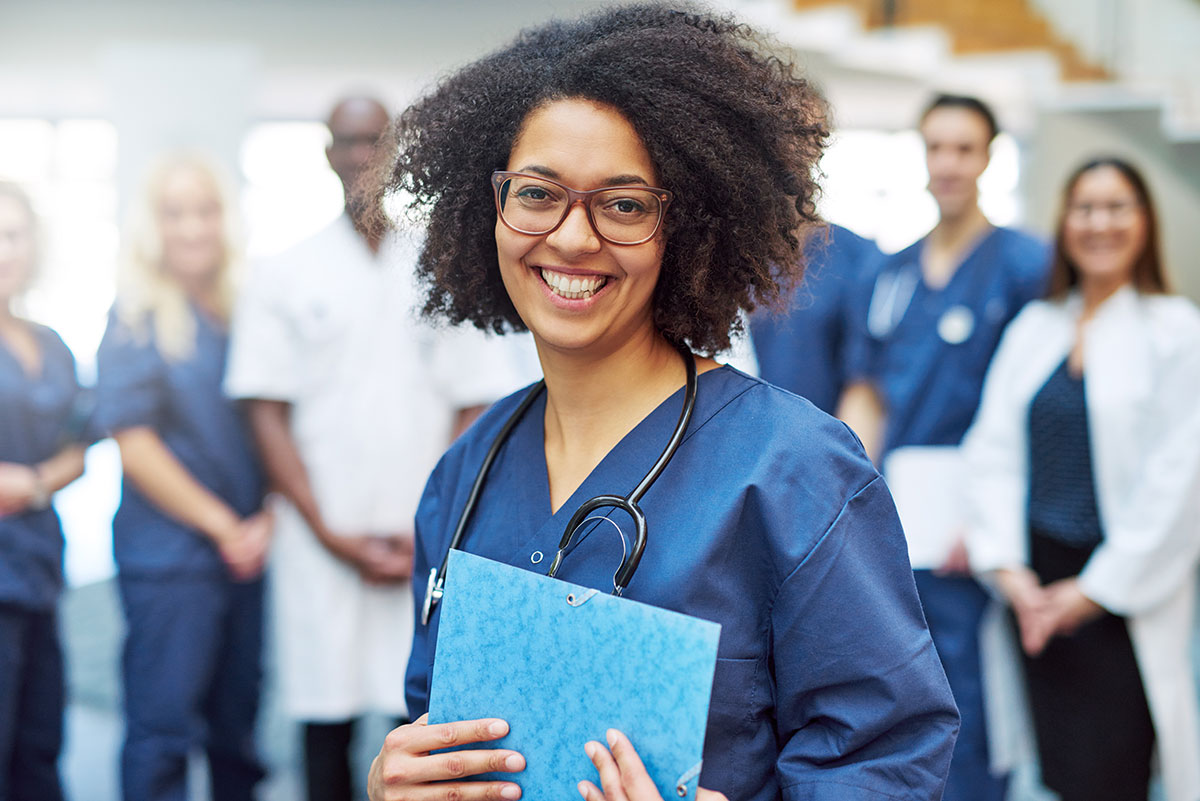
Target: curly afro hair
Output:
[{"x": 732, "y": 130}]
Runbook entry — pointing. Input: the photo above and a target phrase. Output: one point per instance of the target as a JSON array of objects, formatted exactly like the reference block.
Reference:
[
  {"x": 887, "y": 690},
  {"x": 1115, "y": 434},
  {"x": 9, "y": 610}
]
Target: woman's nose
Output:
[{"x": 575, "y": 234}]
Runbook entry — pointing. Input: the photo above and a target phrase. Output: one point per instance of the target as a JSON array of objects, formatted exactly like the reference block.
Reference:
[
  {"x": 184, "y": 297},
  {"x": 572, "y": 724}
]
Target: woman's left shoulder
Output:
[
  {"x": 786, "y": 432},
  {"x": 1173, "y": 312}
]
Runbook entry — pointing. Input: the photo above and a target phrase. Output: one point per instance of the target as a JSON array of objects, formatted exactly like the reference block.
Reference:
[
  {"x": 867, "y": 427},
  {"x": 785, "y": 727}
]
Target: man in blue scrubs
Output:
[
  {"x": 936, "y": 313},
  {"x": 804, "y": 350}
]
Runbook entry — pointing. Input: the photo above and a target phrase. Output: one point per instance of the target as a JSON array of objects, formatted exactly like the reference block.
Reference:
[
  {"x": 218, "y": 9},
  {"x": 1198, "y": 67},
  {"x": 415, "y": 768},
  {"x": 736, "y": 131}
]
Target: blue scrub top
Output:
[
  {"x": 805, "y": 349},
  {"x": 183, "y": 402},
  {"x": 770, "y": 521},
  {"x": 931, "y": 386},
  {"x": 39, "y": 416}
]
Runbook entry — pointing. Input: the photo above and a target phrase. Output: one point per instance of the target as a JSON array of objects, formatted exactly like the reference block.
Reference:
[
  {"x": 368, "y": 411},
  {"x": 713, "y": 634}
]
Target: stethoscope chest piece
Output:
[{"x": 956, "y": 325}]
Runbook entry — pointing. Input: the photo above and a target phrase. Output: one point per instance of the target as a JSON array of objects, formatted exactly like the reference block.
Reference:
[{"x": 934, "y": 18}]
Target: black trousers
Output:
[
  {"x": 1094, "y": 733},
  {"x": 327, "y": 771}
]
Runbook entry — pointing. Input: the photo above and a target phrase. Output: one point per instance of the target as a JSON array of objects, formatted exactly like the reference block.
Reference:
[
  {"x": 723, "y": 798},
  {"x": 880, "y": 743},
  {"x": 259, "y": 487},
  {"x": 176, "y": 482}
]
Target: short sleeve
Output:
[
  {"x": 863, "y": 706},
  {"x": 264, "y": 348},
  {"x": 472, "y": 368},
  {"x": 130, "y": 381}
]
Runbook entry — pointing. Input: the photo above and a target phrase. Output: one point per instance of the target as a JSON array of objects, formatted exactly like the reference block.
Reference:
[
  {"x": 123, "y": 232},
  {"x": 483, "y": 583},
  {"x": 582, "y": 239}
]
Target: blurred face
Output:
[
  {"x": 575, "y": 291},
  {"x": 189, "y": 220},
  {"x": 956, "y": 153},
  {"x": 1105, "y": 228},
  {"x": 355, "y": 126},
  {"x": 16, "y": 248}
]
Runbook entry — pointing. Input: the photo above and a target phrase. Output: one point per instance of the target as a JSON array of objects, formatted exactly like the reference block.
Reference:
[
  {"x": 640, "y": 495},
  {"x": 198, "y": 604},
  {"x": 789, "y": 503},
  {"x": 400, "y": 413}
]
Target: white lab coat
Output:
[
  {"x": 333, "y": 330},
  {"x": 1142, "y": 368}
]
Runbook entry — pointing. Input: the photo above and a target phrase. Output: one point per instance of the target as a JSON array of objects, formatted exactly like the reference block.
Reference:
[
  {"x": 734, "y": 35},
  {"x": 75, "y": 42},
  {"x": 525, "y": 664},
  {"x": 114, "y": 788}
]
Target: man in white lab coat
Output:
[{"x": 352, "y": 400}]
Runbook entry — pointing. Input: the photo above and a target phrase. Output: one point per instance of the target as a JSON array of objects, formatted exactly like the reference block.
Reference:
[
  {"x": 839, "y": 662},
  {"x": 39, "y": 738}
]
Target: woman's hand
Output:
[
  {"x": 1068, "y": 608},
  {"x": 1030, "y": 604},
  {"x": 623, "y": 775},
  {"x": 379, "y": 559},
  {"x": 244, "y": 547},
  {"x": 18, "y": 487},
  {"x": 404, "y": 768}
]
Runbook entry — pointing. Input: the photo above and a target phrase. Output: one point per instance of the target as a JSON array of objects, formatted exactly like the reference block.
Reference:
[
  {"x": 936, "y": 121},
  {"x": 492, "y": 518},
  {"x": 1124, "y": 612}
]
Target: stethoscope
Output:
[
  {"x": 893, "y": 294},
  {"x": 629, "y": 504}
]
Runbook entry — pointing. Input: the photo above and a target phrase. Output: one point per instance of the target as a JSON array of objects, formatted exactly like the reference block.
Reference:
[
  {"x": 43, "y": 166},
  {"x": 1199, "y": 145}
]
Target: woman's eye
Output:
[
  {"x": 626, "y": 206},
  {"x": 534, "y": 194}
]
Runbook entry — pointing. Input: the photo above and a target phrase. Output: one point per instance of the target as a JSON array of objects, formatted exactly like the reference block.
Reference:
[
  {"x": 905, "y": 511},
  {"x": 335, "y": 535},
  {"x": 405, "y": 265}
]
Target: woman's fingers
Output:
[
  {"x": 634, "y": 778},
  {"x": 610, "y": 774},
  {"x": 589, "y": 791},
  {"x": 445, "y": 791},
  {"x": 463, "y": 764}
]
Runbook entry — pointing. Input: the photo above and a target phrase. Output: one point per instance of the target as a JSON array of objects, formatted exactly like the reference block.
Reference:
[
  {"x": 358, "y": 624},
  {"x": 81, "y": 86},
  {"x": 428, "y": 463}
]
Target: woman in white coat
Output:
[{"x": 1085, "y": 498}]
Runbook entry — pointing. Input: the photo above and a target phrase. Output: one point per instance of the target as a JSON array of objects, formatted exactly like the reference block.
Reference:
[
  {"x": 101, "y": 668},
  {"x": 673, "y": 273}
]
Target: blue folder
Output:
[{"x": 563, "y": 664}]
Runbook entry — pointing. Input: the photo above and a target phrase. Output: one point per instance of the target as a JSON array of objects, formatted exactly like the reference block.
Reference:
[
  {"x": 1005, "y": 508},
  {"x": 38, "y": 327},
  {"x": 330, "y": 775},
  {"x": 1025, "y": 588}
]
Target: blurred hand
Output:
[
  {"x": 1030, "y": 604},
  {"x": 956, "y": 563},
  {"x": 623, "y": 776},
  {"x": 244, "y": 548},
  {"x": 1068, "y": 608},
  {"x": 380, "y": 559},
  {"x": 18, "y": 487},
  {"x": 404, "y": 770}
]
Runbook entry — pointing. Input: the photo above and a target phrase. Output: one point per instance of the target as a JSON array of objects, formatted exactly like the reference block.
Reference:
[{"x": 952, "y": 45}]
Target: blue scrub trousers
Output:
[
  {"x": 31, "y": 705},
  {"x": 192, "y": 670},
  {"x": 954, "y": 607}
]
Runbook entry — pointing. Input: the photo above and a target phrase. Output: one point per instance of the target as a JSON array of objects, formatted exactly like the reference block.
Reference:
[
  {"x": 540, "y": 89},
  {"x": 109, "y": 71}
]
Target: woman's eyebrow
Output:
[{"x": 616, "y": 180}]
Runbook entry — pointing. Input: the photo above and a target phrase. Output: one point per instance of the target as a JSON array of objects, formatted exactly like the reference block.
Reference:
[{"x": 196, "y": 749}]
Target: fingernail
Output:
[
  {"x": 510, "y": 791},
  {"x": 589, "y": 748},
  {"x": 497, "y": 727},
  {"x": 582, "y": 788},
  {"x": 612, "y": 738},
  {"x": 515, "y": 762}
]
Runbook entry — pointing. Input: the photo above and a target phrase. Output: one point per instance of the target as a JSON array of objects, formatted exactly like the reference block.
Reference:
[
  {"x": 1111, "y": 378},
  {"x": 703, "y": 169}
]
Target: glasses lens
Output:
[
  {"x": 622, "y": 216},
  {"x": 626, "y": 215},
  {"x": 531, "y": 205}
]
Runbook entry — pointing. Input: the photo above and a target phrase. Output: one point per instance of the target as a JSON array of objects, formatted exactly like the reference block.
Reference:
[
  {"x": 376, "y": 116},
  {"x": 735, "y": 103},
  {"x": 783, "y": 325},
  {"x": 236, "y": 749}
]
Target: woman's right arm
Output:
[{"x": 151, "y": 466}]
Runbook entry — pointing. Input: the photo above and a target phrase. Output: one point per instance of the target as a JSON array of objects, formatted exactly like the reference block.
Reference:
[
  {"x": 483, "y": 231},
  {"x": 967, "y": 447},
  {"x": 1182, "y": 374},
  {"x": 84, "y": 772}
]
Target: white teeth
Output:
[{"x": 573, "y": 287}]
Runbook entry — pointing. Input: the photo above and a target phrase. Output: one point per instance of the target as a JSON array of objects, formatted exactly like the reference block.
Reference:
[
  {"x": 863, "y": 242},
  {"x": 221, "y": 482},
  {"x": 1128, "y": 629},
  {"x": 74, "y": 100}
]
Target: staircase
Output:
[{"x": 974, "y": 27}]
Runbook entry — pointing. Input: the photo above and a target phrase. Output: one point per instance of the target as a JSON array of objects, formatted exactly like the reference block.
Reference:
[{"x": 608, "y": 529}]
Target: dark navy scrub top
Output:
[
  {"x": 183, "y": 402},
  {"x": 39, "y": 416},
  {"x": 931, "y": 384},
  {"x": 804, "y": 350},
  {"x": 769, "y": 520}
]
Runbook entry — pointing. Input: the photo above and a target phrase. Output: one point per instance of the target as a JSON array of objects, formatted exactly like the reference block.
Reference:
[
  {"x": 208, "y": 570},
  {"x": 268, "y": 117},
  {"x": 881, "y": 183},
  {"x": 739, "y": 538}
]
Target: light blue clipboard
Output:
[{"x": 563, "y": 664}]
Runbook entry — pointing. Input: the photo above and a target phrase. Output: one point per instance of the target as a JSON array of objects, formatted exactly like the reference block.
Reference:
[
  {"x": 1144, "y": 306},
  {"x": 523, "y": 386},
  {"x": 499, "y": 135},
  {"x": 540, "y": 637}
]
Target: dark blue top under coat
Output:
[
  {"x": 1062, "y": 488},
  {"x": 769, "y": 520},
  {"x": 931, "y": 388},
  {"x": 805, "y": 349},
  {"x": 183, "y": 403},
  {"x": 39, "y": 416}
]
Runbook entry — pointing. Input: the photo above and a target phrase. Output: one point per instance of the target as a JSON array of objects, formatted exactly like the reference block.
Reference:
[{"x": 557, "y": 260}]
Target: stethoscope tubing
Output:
[{"x": 629, "y": 504}]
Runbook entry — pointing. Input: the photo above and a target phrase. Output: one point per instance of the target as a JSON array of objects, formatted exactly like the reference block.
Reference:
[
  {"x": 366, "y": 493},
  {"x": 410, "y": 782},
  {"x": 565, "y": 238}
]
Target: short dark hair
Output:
[
  {"x": 964, "y": 102},
  {"x": 1148, "y": 273},
  {"x": 732, "y": 130}
]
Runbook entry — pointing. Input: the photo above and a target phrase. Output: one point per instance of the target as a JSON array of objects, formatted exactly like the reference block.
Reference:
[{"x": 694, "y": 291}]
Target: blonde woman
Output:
[
  {"x": 190, "y": 535},
  {"x": 40, "y": 452}
]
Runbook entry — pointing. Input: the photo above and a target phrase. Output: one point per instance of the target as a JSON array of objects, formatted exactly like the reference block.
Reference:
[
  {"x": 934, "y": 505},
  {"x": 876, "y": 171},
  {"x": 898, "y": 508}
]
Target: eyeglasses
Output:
[
  {"x": 1117, "y": 211},
  {"x": 622, "y": 215}
]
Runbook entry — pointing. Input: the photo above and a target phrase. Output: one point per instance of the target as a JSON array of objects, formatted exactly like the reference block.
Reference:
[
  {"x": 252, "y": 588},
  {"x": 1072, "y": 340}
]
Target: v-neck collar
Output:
[
  {"x": 964, "y": 265},
  {"x": 29, "y": 376},
  {"x": 616, "y": 474}
]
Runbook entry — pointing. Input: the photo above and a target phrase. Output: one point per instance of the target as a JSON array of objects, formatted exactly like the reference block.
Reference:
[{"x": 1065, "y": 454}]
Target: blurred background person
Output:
[
  {"x": 41, "y": 451},
  {"x": 190, "y": 536},
  {"x": 936, "y": 312},
  {"x": 805, "y": 349},
  {"x": 1084, "y": 466},
  {"x": 352, "y": 401}
]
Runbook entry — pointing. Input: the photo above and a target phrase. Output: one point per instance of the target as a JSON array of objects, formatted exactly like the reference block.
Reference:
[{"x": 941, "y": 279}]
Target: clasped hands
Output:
[
  {"x": 405, "y": 770},
  {"x": 1045, "y": 612}
]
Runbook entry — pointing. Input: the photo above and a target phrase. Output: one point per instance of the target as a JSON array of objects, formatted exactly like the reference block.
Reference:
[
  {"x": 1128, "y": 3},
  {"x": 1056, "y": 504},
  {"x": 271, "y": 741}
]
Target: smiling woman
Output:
[{"x": 630, "y": 183}]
